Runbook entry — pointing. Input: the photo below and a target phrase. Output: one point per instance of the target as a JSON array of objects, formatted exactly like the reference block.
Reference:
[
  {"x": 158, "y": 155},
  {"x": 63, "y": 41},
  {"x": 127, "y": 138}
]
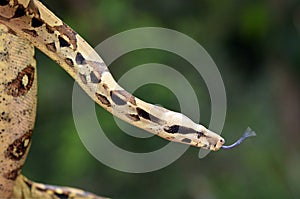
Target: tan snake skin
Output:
[{"x": 29, "y": 22}]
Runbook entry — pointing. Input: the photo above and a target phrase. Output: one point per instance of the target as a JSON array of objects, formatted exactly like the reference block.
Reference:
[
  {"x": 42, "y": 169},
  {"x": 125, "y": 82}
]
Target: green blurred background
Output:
[{"x": 256, "y": 46}]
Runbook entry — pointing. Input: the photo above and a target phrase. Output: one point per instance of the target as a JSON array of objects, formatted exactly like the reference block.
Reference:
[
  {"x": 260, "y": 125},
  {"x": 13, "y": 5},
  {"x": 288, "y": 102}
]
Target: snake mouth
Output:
[
  {"x": 214, "y": 146},
  {"x": 218, "y": 145},
  {"x": 213, "y": 141}
]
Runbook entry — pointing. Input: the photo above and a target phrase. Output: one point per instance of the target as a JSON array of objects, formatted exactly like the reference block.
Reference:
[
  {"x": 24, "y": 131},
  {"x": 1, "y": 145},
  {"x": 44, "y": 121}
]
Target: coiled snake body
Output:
[{"x": 29, "y": 22}]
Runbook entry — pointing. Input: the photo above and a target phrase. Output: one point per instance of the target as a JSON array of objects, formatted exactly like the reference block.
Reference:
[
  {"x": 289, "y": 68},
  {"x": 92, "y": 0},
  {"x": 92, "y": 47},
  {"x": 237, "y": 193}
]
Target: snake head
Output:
[
  {"x": 185, "y": 131},
  {"x": 210, "y": 140}
]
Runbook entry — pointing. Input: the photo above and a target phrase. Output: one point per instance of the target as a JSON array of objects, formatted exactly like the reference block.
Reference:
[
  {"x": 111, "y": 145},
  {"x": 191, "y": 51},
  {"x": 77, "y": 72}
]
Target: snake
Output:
[{"x": 25, "y": 24}]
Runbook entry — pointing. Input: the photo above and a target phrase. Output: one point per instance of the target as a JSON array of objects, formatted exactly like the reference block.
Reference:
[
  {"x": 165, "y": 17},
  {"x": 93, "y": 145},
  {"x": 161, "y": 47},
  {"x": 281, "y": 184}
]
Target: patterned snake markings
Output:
[
  {"x": 37, "y": 190},
  {"x": 17, "y": 105},
  {"x": 28, "y": 23},
  {"x": 17, "y": 114},
  {"x": 31, "y": 20}
]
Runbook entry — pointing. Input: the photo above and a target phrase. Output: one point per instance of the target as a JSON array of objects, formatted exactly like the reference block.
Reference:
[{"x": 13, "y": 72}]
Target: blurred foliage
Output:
[{"x": 256, "y": 46}]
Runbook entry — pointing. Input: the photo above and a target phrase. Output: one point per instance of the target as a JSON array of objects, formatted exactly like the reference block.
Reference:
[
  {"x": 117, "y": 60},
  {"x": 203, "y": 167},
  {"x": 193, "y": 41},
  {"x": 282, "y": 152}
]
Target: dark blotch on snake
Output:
[
  {"x": 186, "y": 140},
  {"x": 103, "y": 99},
  {"x": 62, "y": 195},
  {"x": 80, "y": 59},
  {"x": 94, "y": 78},
  {"x": 172, "y": 129},
  {"x": 51, "y": 47},
  {"x": 11, "y": 31},
  {"x": 121, "y": 97},
  {"x": 144, "y": 114},
  {"x": 117, "y": 99},
  {"x": 200, "y": 134},
  {"x": 12, "y": 175},
  {"x": 68, "y": 32},
  {"x": 63, "y": 42},
  {"x": 20, "y": 12},
  {"x": 4, "y": 2},
  {"x": 105, "y": 86},
  {"x": 133, "y": 117},
  {"x": 33, "y": 33},
  {"x": 49, "y": 29},
  {"x": 35, "y": 22},
  {"x": 45, "y": 189},
  {"x": 69, "y": 62},
  {"x": 180, "y": 129},
  {"x": 17, "y": 149},
  {"x": 16, "y": 87}
]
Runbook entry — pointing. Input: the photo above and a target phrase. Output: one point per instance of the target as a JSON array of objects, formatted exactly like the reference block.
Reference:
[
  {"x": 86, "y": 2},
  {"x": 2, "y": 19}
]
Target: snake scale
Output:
[{"x": 28, "y": 23}]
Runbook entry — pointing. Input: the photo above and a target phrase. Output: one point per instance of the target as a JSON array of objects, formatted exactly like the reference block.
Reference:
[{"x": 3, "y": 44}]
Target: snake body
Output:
[
  {"x": 17, "y": 105},
  {"x": 18, "y": 89},
  {"x": 29, "y": 22}
]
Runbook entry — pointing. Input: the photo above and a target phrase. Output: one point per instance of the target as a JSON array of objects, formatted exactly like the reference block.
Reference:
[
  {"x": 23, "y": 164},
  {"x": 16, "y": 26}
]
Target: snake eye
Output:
[{"x": 199, "y": 134}]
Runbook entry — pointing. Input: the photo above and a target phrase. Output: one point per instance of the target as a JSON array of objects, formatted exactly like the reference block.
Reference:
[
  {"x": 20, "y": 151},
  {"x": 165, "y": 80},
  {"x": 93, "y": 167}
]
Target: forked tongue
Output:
[{"x": 248, "y": 133}]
